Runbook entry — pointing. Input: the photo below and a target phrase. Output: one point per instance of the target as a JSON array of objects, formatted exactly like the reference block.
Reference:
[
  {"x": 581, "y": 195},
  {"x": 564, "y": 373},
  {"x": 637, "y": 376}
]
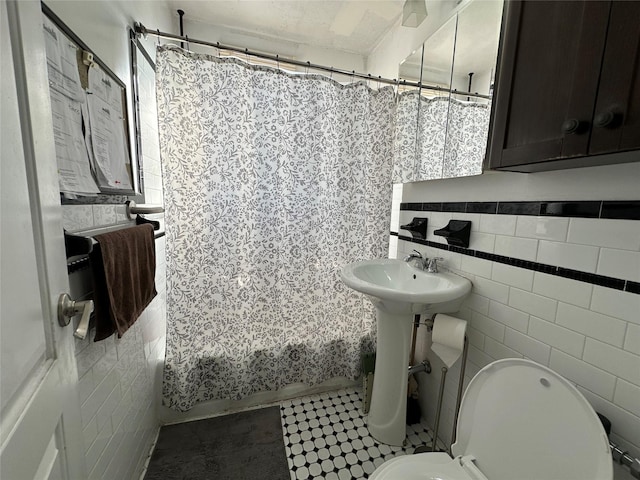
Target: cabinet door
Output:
[
  {"x": 616, "y": 123},
  {"x": 548, "y": 78}
]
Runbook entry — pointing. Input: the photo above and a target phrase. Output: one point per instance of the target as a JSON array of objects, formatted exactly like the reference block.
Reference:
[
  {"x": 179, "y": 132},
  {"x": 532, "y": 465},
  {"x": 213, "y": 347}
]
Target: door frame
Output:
[{"x": 54, "y": 387}]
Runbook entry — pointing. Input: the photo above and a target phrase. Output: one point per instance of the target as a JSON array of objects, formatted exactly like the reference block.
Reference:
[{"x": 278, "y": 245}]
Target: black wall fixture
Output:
[
  {"x": 457, "y": 233},
  {"x": 417, "y": 227}
]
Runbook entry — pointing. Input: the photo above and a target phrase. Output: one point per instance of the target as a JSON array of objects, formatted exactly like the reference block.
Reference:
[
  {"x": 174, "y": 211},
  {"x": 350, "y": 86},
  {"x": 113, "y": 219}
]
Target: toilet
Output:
[{"x": 518, "y": 420}]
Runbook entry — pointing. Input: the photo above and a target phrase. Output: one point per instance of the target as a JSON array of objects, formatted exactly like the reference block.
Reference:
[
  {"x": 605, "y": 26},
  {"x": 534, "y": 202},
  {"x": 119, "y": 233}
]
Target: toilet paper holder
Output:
[{"x": 426, "y": 366}]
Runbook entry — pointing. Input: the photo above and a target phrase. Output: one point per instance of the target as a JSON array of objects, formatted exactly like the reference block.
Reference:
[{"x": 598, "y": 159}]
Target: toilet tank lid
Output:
[{"x": 521, "y": 420}]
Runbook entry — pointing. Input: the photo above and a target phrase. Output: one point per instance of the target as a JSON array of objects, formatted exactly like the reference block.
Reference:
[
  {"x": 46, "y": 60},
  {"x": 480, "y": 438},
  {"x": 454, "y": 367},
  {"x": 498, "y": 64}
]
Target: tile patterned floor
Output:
[{"x": 326, "y": 437}]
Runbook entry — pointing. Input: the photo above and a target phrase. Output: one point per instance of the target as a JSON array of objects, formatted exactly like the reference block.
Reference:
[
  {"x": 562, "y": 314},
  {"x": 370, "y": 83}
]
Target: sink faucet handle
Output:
[
  {"x": 432, "y": 264},
  {"x": 412, "y": 255}
]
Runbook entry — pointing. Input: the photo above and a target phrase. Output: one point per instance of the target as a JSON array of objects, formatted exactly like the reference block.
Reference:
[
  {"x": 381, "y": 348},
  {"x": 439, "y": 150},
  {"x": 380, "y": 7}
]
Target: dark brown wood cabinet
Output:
[{"x": 568, "y": 85}]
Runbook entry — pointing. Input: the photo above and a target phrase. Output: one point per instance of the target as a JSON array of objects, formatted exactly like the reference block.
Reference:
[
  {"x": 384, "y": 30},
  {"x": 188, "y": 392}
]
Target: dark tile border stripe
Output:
[
  {"x": 482, "y": 207},
  {"x": 519, "y": 208},
  {"x": 633, "y": 287},
  {"x": 619, "y": 210},
  {"x": 601, "y": 280},
  {"x": 625, "y": 210}
]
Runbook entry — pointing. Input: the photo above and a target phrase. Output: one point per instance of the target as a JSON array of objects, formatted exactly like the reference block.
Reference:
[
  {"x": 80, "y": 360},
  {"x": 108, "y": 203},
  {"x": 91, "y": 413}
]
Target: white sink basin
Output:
[
  {"x": 399, "y": 291},
  {"x": 398, "y": 287}
]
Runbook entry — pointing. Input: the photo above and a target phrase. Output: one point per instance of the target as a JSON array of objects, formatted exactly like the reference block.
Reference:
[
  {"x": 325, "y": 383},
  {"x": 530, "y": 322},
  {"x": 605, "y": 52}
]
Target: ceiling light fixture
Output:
[{"x": 413, "y": 13}]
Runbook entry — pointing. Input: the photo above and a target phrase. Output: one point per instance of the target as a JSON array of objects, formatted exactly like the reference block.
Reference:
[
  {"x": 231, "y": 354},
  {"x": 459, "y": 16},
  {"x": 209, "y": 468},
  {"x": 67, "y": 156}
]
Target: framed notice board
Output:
[{"x": 90, "y": 120}]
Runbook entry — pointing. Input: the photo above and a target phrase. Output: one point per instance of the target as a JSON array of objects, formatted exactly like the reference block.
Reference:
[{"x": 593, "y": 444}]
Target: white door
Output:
[{"x": 40, "y": 433}]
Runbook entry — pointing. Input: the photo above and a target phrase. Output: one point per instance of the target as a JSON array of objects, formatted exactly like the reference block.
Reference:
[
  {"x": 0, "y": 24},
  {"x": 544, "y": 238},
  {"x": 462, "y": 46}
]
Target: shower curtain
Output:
[
  {"x": 404, "y": 140},
  {"x": 451, "y": 138},
  {"x": 467, "y": 135},
  {"x": 432, "y": 136},
  {"x": 273, "y": 182}
]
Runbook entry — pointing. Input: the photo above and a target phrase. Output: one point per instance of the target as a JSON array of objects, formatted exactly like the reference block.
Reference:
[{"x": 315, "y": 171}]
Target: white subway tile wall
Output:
[
  {"x": 568, "y": 255},
  {"x": 563, "y": 289},
  {"x": 632, "y": 339},
  {"x": 620, "y": 234},
  {"x": 616, "y": 303},
  {"x": 517, "y": 277},
  {"x": 542, "y": 228},
  {"x": 619, "y": 263},
  {"x": 588, "y": 333},
  {"x": 483, "y": 242},
  {"x": 396, "y": 199},
  {"x": 524, "y": 248},
  {"x": 121, "y": 379},
  {"x": 497, "y": 224},
  {"x": 78, "y": 217},
  {"x": 532, "y": 303},
  {"x": 120, "y": 385},
  {"x": 107, "y": 214}
]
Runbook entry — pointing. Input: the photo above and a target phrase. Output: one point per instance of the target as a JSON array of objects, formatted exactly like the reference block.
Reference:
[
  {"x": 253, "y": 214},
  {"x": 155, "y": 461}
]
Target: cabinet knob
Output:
[
  {"x": 571, "y": 125},
  {"x": 605, "y": 119}
]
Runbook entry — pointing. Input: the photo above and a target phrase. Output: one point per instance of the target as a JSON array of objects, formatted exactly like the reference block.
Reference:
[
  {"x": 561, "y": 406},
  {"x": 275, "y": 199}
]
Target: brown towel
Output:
[{"x": 124, "y": 268}]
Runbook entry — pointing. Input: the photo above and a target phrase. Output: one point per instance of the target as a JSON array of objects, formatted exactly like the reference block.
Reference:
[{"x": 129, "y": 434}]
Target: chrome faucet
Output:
[
  {"x": 416, "y": 255},
  {"x": 432, "y": 264}
]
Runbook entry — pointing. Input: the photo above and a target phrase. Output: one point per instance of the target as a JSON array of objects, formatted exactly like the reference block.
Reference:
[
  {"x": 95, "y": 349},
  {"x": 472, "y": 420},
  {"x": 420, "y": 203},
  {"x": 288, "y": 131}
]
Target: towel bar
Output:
[
  {"x": 79, "y": 245},
  {"x": 133, "y": 209}
]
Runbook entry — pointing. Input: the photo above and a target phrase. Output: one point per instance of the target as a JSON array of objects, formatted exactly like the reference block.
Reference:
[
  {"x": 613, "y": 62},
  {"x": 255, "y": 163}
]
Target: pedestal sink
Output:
[{"x": 399, "y": 291}]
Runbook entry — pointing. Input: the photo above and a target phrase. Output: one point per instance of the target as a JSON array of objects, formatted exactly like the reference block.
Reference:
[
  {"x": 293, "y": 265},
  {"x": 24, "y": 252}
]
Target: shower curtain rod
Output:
[{"x": 142, "y": 30}]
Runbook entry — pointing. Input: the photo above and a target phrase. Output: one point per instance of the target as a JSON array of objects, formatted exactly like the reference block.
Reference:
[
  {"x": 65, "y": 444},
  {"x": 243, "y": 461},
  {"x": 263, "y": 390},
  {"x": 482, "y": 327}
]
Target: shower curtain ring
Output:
[
  {"x": 188, "y": 47},
  {"x": 158, "y": 36},
  {"x": 353, "y": 76},
  {"x": 246, "y": 53},
  {"x": 308, "y": 65},
  {"x": 278, "y": 62},
  {"x": 331, "y": 73},
  {"x": 218, "y": 47}
]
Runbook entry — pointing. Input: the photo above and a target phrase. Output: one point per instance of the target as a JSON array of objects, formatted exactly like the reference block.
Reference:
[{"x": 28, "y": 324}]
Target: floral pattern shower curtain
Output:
[
  {"x": 273, "y": 182},
  {"x": 451, "y": 138},
  {"x": 432, "y": 134},
  {"x": 404, "y": 140},
  {"x": 467, "y": 135}
]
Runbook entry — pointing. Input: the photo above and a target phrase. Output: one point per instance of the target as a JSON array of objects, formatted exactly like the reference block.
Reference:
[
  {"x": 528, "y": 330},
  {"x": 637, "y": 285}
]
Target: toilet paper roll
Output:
[{"x": 448, "y": 338}]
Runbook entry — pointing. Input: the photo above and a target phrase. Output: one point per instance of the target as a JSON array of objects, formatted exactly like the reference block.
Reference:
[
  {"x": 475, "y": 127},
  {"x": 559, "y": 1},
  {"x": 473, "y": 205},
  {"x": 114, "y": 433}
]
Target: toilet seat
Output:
[
  {"x": 518, "y": 420},
  {"x": 429, "y": 466}
]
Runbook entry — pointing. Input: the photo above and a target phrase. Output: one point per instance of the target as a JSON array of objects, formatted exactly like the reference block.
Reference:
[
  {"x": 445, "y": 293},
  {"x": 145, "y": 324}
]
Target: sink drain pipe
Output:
[
  {"x": 414, "y": 335},
  {"x": 424, "y": 366}
]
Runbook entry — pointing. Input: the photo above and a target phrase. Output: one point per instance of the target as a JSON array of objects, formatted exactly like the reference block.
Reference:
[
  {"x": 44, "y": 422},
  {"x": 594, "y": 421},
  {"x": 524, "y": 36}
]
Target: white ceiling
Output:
[{"x": 354, "y": 26}]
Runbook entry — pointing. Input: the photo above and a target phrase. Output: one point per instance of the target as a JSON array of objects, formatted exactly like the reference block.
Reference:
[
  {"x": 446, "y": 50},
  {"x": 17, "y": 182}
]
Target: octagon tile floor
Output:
[{"x": 326, "y": 437}]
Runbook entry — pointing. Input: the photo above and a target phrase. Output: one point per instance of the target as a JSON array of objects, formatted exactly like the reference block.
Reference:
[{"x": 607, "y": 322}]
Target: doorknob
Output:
[{"x": 67, "y": 309}]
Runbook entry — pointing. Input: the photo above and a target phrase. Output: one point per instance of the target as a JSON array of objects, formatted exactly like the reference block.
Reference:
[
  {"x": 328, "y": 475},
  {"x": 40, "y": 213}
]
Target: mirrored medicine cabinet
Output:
[{"x": 442, "y": 127}]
